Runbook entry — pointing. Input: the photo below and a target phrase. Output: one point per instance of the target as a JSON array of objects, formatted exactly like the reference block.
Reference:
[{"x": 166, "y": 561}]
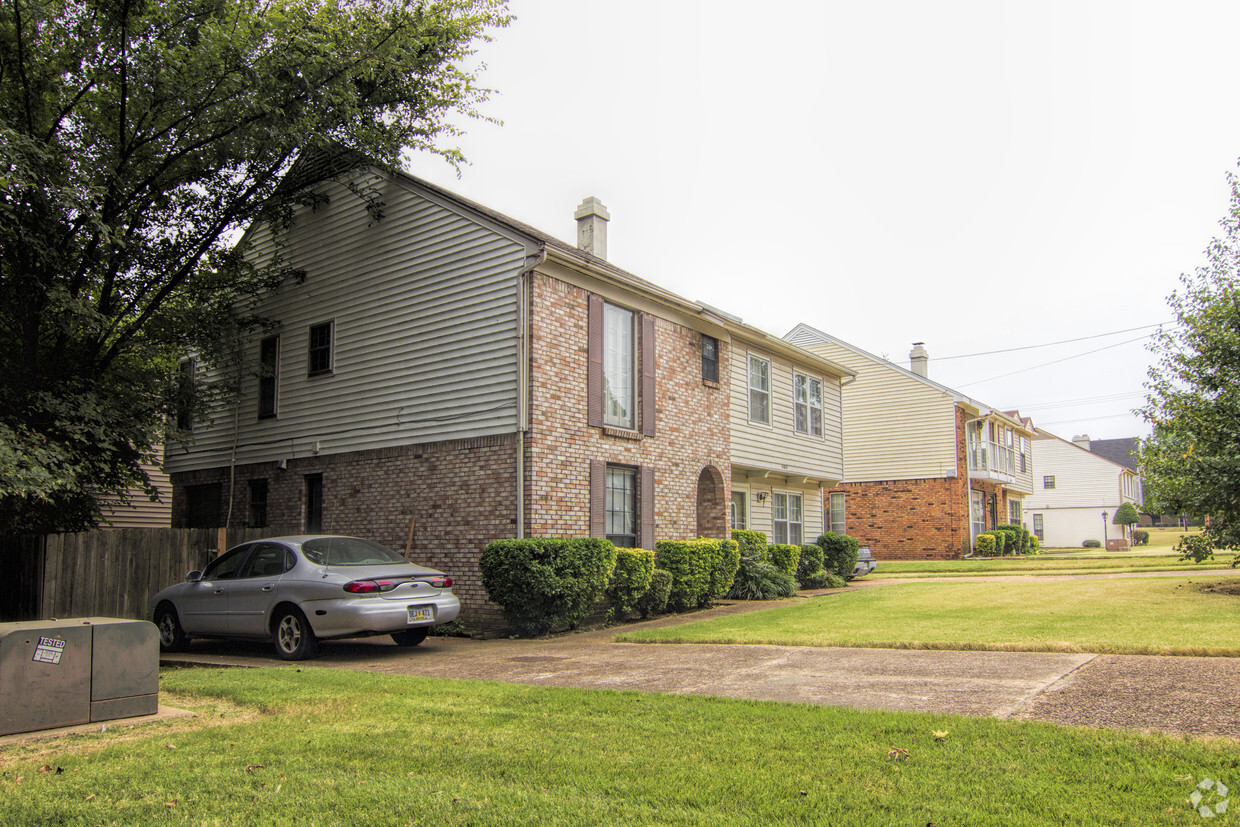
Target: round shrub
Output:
[
  {"x": 629, "y": 580},
  {"x": 654, "y": 601},
  {"x": 726, "y": 562},
  {"x": 784, "y": 557},
  {"x": 546, "y": 584},
  {"x": 690, "y": 562},
  {"x": 984, "y": 545},
  {"x": 810, "y": 565},
  {"x": 839, "y": 553},
  {"x": 1035, "y": 545},
  {"x": 1140, "y": 537},
  {"x": 751, "y": 543},
  {"x": 1091, "y": 544}
]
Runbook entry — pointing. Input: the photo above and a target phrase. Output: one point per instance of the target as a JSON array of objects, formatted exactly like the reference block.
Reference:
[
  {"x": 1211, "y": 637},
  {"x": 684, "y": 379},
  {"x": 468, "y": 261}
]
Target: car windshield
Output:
[{"x": 347, "y": 551}]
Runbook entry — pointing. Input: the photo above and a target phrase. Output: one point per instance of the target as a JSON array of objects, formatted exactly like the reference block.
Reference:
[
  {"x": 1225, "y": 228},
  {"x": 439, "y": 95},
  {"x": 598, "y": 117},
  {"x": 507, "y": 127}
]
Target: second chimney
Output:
[
  {"x": 919, "y": 359},
  {"x": 592, "y": 218}
]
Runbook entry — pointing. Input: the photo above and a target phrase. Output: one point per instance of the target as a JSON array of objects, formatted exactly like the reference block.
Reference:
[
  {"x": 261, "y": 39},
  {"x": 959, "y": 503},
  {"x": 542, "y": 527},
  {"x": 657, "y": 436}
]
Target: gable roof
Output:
[
  {"x": 1038, "y": 433},
  {"x": 1120, "y": 450},
  {"x": 803, "y": 332}
]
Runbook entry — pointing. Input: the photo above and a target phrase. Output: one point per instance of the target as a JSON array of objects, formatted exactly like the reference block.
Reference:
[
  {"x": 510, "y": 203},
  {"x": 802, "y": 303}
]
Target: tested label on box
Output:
[{"x": 49, "y": 650}]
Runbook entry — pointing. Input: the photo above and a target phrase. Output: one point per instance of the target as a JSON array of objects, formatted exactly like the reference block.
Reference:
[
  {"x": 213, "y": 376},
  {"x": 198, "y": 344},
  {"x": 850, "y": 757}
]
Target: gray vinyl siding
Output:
[
  {"x": 778, "y": 447},
  {"x": 424, "y": 306}
]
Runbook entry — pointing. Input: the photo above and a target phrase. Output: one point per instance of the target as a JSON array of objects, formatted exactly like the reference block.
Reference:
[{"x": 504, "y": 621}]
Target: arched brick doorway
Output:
[{"x": 712, "y": 512}]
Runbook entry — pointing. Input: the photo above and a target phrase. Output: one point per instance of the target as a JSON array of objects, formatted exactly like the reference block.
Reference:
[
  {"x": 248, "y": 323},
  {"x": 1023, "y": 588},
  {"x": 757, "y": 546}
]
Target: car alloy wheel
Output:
[
  {"x": 172, "y": 637},
  {"x": 294, "y": 639}
]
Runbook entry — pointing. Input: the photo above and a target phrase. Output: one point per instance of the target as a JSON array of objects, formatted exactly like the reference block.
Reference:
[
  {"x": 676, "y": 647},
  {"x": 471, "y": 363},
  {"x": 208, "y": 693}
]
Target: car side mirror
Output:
[{"x": 193, "y": 576}]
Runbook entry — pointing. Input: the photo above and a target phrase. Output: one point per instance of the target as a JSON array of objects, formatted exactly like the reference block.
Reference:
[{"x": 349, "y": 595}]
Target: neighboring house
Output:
[
  {"x": 1076, "y": 492},
  {"x": 926, "y": 468},
  {"x": 140, "y": 511},
  {"x": 445, "y": 376}
]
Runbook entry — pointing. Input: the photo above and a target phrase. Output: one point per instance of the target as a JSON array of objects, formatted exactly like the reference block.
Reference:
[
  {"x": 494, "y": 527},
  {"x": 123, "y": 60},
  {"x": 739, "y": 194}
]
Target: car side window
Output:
[
  {"x": 226, "y": 567},
  {"x": 268, "y": 560}
]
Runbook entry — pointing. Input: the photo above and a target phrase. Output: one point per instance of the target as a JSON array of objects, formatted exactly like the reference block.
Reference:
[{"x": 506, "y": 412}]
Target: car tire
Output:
[
  {"x": 292, "y": 635},
  {"x": 411, "y": 637},
  {"x": 172, "y": 637}
]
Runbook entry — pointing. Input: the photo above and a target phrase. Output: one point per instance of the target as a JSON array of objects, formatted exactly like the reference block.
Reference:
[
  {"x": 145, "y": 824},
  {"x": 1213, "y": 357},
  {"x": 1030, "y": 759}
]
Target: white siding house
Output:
[{"x": 1076, "y": 493}]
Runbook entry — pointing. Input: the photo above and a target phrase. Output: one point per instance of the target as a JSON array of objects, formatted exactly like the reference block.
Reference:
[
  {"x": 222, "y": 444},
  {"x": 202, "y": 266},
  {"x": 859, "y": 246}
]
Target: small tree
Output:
[{"x": 1127, "y": 516}]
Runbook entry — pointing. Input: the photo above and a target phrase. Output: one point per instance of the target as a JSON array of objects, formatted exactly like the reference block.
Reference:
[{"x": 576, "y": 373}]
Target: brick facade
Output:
[
  {"x": 460, "y": 495},
  {"x": 920, "y": 519},
  {"x": 691, "y": 433}
]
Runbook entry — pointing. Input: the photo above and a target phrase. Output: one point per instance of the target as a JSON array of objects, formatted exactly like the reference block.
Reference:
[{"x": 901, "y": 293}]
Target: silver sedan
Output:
[{"x": 297, "y": 591}]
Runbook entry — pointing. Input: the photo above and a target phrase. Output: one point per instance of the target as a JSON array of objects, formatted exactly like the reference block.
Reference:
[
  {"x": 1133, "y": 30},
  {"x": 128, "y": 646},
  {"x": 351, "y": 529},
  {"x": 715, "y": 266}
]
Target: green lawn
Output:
[
  {"x": 326, "y": 746},
  {"x": 1125, "y": 615},
  {"x": 1093, "y": 563}
]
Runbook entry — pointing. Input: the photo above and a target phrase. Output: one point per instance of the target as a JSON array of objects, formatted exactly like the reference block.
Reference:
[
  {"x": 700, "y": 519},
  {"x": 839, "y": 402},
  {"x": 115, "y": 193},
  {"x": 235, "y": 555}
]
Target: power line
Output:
[
  {"x": 1048, "y": 344},
  {"x": 1082, "y": 419},
  {"x": 1056, "y": 361},
  {"x": 1073, "y": 403}
]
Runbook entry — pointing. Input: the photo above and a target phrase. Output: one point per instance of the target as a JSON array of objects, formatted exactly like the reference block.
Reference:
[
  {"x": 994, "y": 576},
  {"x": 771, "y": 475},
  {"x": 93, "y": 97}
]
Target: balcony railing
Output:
[{"x": 992, "y": 458}]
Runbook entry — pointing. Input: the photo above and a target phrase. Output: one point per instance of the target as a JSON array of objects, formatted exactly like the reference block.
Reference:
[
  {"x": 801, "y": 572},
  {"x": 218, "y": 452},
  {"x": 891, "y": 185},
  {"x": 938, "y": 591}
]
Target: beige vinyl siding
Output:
[
  {"x": 778, "y": 447},
  {"x": 424, "y": 306},
  {"x": 895, "y": 426},
  {"x": 1082, "y": 479},
  {"x": 760, "y": 515},
  {"x": 141, "y": 512}
]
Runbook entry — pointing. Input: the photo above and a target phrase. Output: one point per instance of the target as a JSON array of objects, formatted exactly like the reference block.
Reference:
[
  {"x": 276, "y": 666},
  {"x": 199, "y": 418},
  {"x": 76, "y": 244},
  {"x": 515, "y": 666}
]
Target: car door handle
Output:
[
  {"x": 268, "y": 587},
  {"x": 219, "y": 591}
]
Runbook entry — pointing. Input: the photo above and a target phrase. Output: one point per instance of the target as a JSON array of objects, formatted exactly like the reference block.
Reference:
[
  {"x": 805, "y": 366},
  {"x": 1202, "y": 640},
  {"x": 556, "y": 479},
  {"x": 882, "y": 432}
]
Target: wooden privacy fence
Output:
[{"x": 105, "y": 573}]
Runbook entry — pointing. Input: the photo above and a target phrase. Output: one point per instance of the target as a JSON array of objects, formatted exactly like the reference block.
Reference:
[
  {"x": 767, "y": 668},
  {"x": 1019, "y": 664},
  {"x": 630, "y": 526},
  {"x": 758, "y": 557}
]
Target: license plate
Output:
[{"x": 421, "y": 614}]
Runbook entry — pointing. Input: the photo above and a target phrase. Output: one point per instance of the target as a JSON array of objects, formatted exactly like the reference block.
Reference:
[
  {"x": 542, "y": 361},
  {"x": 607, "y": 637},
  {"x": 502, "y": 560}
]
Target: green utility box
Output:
[{"x": 56, "y": 673}]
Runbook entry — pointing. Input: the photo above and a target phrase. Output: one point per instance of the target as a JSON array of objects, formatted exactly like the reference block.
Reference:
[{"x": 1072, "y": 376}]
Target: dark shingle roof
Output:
[{"x": 1117, "y": 450}]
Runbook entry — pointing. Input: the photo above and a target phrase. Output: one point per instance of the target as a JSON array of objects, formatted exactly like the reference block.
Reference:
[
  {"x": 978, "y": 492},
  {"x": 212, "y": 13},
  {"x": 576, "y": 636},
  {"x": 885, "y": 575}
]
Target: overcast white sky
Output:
[{"x": 974, "y": 175}]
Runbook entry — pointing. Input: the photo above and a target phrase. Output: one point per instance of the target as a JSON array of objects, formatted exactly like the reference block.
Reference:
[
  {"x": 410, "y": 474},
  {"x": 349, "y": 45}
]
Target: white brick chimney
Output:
[
  {"x": 919, "y": 359},
  {"x": 1081, "y": 441},
  {"x": 592, "y": 218}
]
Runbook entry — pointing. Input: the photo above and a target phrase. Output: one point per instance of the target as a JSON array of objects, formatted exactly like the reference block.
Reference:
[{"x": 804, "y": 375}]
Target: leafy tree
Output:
[
  {"x": 1191, "y": 462},
  {"x": 137, "y": 140}
]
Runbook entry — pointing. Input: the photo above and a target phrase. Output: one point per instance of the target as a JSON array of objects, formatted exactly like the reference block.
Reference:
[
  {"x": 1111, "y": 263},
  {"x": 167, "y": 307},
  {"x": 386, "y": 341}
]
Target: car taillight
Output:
[
  {"x": 370, "y": 586},
  {"x": 439, "y": 581}
]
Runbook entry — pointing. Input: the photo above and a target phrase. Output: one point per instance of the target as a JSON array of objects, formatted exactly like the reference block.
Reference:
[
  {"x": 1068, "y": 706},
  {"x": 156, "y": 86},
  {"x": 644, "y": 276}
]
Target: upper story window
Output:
[
  {"x": 619, "y": 367},
  {"x": 320, "y": 359},
  {"x": 807, "y": 404},
  {"x": 268, "y": 375},
  {"x": 1048, "y": 481},
  {"x": 710, "y": 359},
  {"x": 759, "y": 390}
]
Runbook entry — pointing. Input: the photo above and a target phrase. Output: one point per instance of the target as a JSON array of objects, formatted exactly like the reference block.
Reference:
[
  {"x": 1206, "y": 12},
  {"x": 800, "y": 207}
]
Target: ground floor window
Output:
[
  {"x": 202, "y": 506},
  {"x": 977, "y": 508},
  {"x": 787, "y": 518},
  {"x": 622, "y": 506},
  {"x": 737, "y": 511},
  {"x": 314, "y": 503},
  {"x": 835, "y": 513},
  {"x": 1014, "y": 512},
  {"x": 1038, "y": 530},
  {"x": 258, "y": 503}
]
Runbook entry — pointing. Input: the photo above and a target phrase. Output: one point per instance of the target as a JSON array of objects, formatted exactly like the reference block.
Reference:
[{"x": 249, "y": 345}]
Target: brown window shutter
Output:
[
  {"x": 647, "y": 374},
  {"x": 598, "y": 498},
  {"x": 594, "y": 366},
  {"x": 646, "y": 507}
]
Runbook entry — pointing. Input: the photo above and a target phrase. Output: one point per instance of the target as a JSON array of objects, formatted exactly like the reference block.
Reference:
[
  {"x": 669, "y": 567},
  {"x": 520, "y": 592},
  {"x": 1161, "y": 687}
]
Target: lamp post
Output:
[{"x": 1104, "y": 529}]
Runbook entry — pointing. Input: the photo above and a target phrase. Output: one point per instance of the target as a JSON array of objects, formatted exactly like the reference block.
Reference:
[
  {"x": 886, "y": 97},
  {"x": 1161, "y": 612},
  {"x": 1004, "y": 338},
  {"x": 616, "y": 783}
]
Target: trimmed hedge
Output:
[
  {"x": 629, "y": 580},
  {"x": 750, "y": 542},
  {"x": 1091, "y": 544},
  {"x": 1035, "y": 544},
  {"x": 839, "y": 553},
  {"x": 1020, "y": 535},
  {"x": 810, "y": 565},
  {"x": 727, "y": 561},
  {"x": 654, "y": 601},
  {"x": 691, "y": 564},
  {"x": 544, "y": 584},
  {"x": 1140, "y": 537},
  {"x": 784, "y": 557},
  {"x": 985, "y": 545}
]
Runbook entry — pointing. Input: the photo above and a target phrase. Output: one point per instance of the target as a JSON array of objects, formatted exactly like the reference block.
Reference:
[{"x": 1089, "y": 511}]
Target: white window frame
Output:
[
  {"x": 804, "y": 406},
  {"x": 977, "y": 512},
  {"x": 837, "y": 526},
  {"x": 738, "y": 510},
  {"x": 793, "y": 530},
  {"x": 762, "y": 391},
  {"x": 619, "y": 366}
]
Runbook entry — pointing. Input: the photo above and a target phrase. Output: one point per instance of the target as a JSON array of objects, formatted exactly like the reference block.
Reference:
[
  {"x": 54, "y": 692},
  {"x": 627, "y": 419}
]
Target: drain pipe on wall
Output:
[{"x": 524, "y": 298}]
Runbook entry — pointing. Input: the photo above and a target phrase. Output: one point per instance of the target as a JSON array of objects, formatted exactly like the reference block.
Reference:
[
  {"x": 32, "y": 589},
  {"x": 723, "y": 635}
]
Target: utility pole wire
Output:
[
  {"x": 1048, "y": 344},
  {"x": 1056, "y": 361}
]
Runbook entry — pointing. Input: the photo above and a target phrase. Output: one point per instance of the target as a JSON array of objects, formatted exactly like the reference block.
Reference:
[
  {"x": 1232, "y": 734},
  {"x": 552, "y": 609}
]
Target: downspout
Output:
[
  {"x": 523, "y": 377},
  {"x": 968, "y": 485}
]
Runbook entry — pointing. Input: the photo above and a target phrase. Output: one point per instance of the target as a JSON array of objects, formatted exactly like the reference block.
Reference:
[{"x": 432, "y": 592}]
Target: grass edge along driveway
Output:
[
  {"x": 1132, "y": 616},
  {"x": 316, "y": 745}
]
